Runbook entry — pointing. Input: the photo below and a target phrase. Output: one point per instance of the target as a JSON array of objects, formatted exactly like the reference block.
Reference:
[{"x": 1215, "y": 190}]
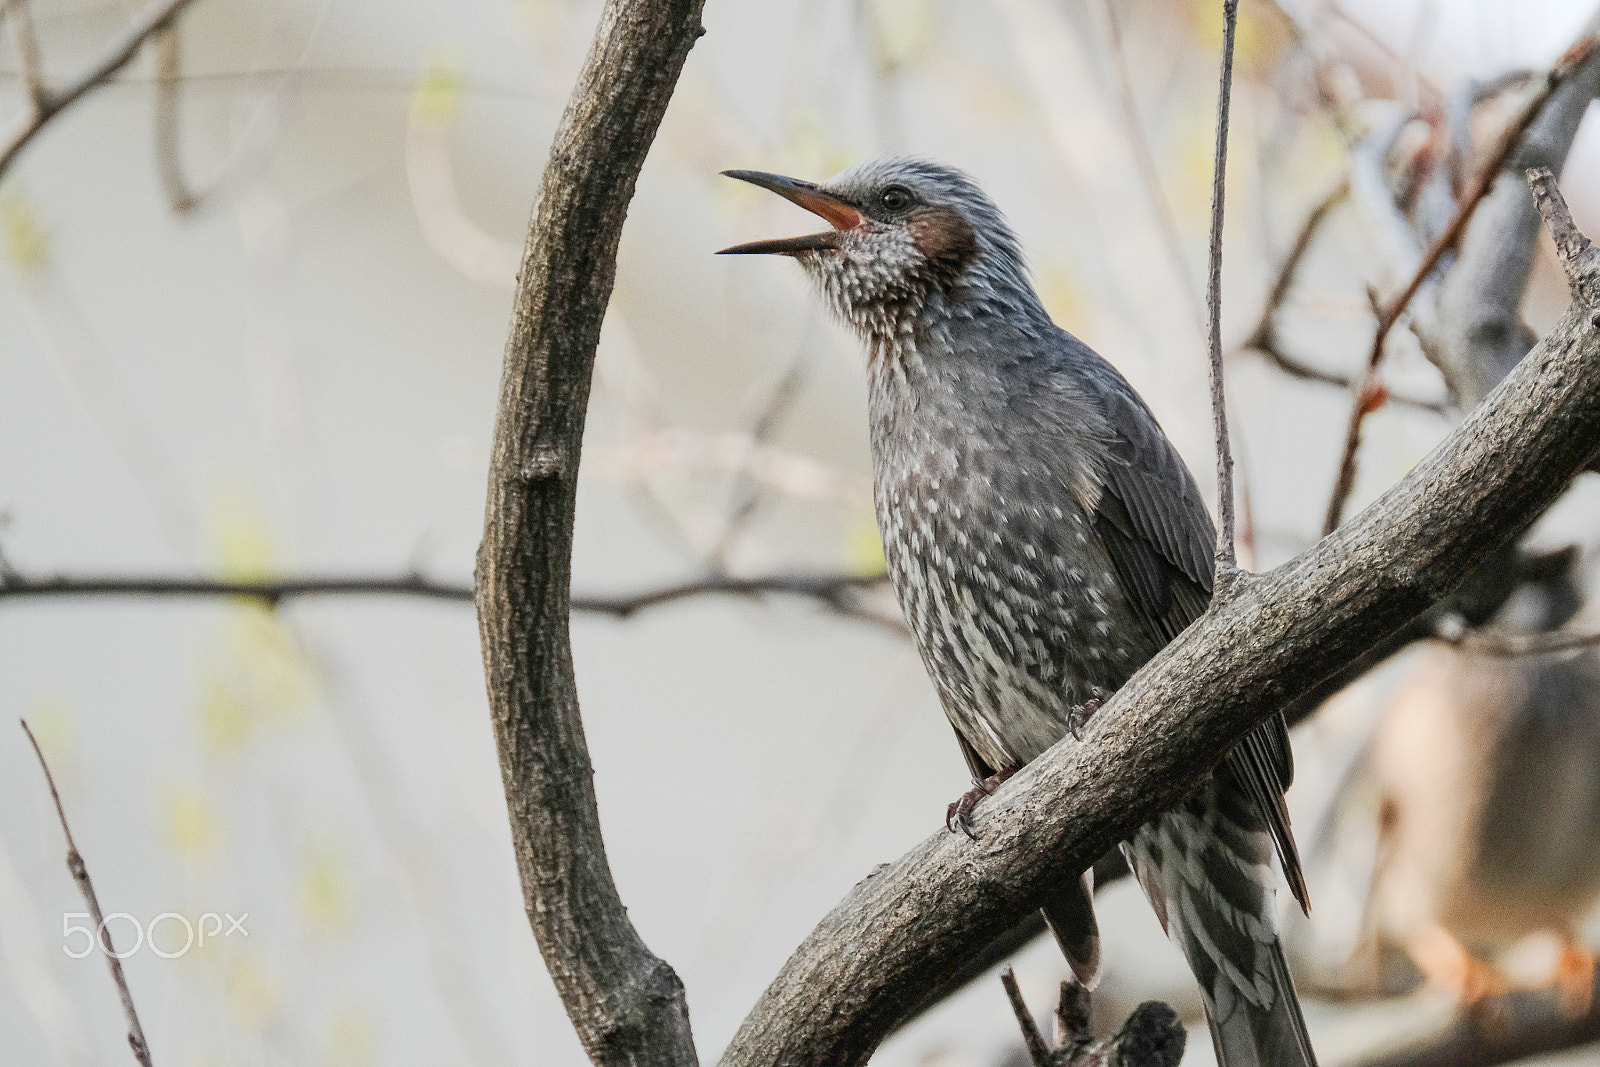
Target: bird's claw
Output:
[
  {"x": 1078, "y": 715},
  {"x": 957, "y": 815}
]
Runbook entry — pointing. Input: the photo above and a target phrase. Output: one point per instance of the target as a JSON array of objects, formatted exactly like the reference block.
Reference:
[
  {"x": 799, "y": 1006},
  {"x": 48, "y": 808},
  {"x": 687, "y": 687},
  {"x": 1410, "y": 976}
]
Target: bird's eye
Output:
[{"x": 895, "y": 198}]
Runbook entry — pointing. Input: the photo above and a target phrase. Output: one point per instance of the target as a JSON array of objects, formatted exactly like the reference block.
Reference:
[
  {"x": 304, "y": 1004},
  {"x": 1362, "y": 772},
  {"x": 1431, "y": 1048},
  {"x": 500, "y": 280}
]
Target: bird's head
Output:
[{"x": 910, "y": 238}]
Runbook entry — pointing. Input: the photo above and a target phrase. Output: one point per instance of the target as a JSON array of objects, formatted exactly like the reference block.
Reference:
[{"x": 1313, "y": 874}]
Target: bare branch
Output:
[
  {"x": 1280, "y": 634},
  {"x": 169, "y": 164},
  {"x": 1524, "y": 1025},
  {"x": 842, "y": 593},
  {"x": 839, "y": 592},
  {"x": 1577, "y": 253},
  {"x": 1263, "y": 340},
  {"x": 1226, "y": 559},
  {"x": 626, "y": 1004},
  {"x": 271, "y": 591},
  {"x": 1274, "y": 354},
  {"x": 1367, "y": 396},
  {"x": 80, "y": 874},
  {"x": 20, "y": 12},
  {"x": 1151, "y": 1036},
  {"x": 152, "y": 19},
  {"x": 1263, "y": 335},
  {"x": 1039, "y": 1052}
]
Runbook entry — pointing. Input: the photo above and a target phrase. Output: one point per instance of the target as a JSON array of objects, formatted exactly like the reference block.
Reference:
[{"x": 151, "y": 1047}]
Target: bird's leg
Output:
[
  {"x": 1575, "y": 972},
  {"x": 1078, "y": 715},
  {"x": 956, "y": 815},
  {"x": 1444, "y": 961}
]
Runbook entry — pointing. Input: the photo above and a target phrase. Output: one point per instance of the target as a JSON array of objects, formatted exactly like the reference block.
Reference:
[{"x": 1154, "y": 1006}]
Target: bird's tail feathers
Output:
[
  {"x": 1206, "y": 867},
  {"x": 1070, "y": 916},
  {"x": 1257, "y": 1035}
]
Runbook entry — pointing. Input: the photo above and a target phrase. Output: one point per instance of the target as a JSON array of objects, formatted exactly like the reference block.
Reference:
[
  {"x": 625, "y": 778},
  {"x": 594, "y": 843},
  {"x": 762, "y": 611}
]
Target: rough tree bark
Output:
[{"x": 627, "y": 1005}]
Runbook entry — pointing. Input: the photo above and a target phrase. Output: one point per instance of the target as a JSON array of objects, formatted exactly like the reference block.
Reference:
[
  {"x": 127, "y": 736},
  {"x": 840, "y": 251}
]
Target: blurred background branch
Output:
[
  {"x": 843, "y": 594},
  {"x": 44, "y": 102}
]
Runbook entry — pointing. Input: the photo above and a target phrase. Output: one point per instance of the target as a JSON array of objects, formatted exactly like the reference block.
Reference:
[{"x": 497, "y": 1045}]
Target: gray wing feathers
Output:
[
  {"x": 1155, "y": 486},
  {"x": 1160, "y": 539}
]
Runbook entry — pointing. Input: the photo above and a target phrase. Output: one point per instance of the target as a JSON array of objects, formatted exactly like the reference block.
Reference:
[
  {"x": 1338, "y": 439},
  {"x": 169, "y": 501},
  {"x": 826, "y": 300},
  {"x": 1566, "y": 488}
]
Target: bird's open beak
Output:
[{"x": 838, "y": 213}]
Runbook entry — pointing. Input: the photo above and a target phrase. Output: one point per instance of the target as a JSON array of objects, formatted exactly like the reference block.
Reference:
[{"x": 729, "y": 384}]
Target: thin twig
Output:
[
  {"x": 80, "y": 874},
  {"x": 1038, "y": 1051},
  {"x": 1264, "y": 340},
  {"x": 270, "y": 591},
  {"x": 839, "y": 592},
  {"x": 1367, "y": 396},
  {"x": 1490, "y": 642},
  {"x": 1226, "y": 561},
  {"x": 747, "y": 494},
  {"x": 1572, "y": 247},
  {"x": 169, "y": 165},
  {"x": 26, "y": 41},
  {"x": 1263, "y": 337},
  {"x": 156, "y": 16}
]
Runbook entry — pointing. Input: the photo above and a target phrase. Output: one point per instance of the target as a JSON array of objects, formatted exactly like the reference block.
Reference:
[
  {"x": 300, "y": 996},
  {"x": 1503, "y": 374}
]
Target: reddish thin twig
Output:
[
  {"x": 80, "y": 875},
  {"x": 1368, "y": 393},
  {"x": 1263, "y": 337}
]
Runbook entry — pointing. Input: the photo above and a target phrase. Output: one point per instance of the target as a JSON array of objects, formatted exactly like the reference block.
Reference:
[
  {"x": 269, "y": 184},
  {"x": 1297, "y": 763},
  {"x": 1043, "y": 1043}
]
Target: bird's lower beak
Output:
[{"x": 838, "y": 213}]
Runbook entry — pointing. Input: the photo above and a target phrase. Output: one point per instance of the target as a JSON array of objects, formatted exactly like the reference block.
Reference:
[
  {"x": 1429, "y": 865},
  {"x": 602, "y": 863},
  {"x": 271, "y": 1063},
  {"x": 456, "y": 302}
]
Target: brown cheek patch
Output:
[{"x": 945, "y": 240}]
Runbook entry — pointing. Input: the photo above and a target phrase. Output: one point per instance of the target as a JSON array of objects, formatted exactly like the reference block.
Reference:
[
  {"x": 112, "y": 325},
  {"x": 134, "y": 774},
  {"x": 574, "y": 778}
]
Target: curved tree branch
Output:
[
  {"x": 626, "y": 1004},
  {"x": 1283, "y": 632}
]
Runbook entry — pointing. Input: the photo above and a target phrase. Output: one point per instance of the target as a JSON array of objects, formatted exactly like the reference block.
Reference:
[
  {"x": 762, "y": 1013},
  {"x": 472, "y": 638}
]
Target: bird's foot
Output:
[
  {"x": 1575, "y": 973},
  {"x": 1078, "y": 715},
  {"x": 1478, "y": 985},
  {"x": 956, "y": 816}
]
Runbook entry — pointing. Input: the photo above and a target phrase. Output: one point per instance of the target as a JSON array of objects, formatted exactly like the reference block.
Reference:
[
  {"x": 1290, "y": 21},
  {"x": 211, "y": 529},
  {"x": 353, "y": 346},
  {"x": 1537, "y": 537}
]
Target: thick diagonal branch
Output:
[
  {"x": 1281, "y": 633},
  {"x": 626, "y": 1005}
]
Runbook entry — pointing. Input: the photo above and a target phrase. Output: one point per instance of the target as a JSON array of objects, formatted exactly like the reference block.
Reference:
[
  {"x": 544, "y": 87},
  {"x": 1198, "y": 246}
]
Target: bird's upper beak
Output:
[{"x": 838, "y": 213}]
